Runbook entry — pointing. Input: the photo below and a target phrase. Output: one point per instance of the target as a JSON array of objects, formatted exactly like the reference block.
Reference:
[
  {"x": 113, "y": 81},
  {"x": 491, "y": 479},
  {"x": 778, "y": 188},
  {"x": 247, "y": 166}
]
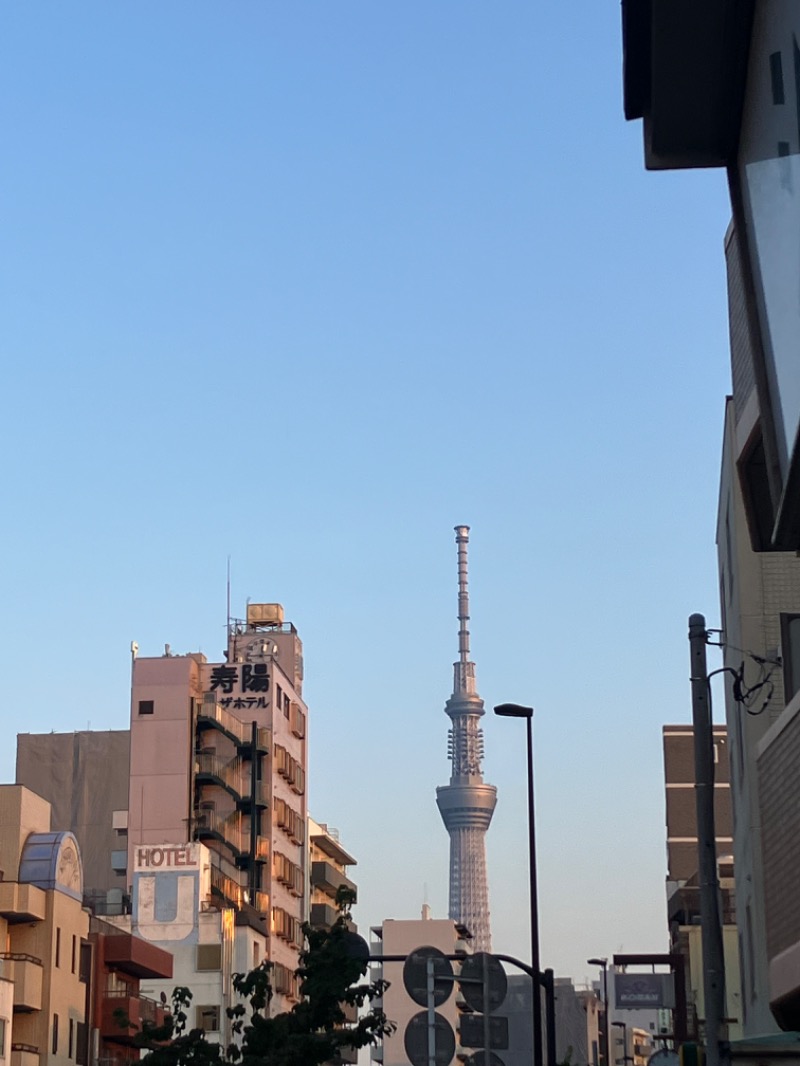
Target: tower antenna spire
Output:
[
  {"x": 467, "y": 803},
  {"x": 462, "y": 540},
  {"x": 463, "y": 670}
]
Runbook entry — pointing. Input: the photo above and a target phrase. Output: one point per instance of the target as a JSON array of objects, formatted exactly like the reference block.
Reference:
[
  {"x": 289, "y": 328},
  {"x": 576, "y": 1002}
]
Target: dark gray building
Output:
[{"x": 84, "y": 777}]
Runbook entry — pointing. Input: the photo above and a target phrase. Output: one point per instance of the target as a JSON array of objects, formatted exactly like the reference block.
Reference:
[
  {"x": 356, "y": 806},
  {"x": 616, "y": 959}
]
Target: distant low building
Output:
[
  {"x": 403, "y": 938},
  {"x": 683, "y": 886}
]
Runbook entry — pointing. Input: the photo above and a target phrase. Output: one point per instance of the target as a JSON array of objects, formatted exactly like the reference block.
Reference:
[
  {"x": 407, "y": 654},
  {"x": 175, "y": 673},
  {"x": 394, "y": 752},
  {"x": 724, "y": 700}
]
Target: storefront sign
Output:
[{"x": 633, "y": 991}]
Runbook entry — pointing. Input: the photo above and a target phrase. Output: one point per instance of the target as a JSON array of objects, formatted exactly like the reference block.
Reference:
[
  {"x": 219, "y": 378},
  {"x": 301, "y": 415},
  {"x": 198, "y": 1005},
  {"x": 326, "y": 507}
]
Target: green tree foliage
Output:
[{"x": 313, "y": 1032}]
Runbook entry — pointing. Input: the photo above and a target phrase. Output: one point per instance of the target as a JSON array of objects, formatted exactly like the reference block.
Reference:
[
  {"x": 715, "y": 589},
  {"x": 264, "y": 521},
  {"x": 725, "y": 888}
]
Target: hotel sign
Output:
[
  {"x": 242, "y": 686},
  {"x": 166, "y": 857}
]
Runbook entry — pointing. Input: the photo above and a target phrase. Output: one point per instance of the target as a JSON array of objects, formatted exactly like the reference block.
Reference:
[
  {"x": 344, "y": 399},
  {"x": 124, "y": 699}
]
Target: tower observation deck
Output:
[{"x": 467, "y": 803}]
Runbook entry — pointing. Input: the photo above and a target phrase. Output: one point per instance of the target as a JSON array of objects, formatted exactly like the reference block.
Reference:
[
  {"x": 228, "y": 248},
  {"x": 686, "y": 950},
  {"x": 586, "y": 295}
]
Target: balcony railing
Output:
[
  {"x": 227, "y": 828},
  {"x": 224, "y": 888},
  {"x": 24, "y": 1055},
  {"x": 123, "y": 1012},
  {"x": 226, "y": 722},
  {"x": 325, "y": 876},
  {"x": 322, "y": 915},
  {"x": 26, "y": 971},
  {"x": 227, "y": 772}
]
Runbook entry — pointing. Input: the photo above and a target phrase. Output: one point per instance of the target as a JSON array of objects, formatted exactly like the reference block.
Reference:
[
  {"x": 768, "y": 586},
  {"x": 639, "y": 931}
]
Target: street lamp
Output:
[
  {"x": 513, "y": 710},
  {"x": 603, "y": 964}
]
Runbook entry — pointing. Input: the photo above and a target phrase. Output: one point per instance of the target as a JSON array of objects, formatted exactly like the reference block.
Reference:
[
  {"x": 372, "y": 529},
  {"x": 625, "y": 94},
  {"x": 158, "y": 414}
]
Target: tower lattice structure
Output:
[{"x": 467, "y": 803}]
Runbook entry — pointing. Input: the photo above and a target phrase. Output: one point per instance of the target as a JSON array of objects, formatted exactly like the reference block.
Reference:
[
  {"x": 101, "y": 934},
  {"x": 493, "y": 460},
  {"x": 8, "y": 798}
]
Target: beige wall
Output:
[
  {"x": 22, "y": 812},
  {"x": 162, "y": 747},
  {"x": 401, "y": 938},
  {"x": 48, "y": 977}
]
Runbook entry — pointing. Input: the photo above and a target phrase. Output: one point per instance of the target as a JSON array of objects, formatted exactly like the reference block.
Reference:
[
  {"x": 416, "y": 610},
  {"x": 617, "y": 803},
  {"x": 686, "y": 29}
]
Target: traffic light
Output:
[{"x": 692, "y": 1054}]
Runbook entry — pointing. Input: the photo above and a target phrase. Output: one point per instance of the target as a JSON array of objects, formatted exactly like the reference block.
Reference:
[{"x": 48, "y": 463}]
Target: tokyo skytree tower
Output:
[{"x": 467, "y": 804}]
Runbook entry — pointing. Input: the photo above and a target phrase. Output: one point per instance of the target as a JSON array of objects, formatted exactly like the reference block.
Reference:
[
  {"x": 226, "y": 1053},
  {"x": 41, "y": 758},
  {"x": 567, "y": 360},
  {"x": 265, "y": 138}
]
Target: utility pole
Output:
[{"x": 713, "y": 958}]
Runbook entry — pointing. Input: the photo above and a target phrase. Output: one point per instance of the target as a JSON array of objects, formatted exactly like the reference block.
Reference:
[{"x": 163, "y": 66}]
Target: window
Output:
[
  {"x": 55, "y": 1034},
  {"x": 2, "y": 1038},
  {"x": 790, "y": 654},
  {"x": 71, "y": 1037},
  {"x": 209, "y": 957},
  {"x": 207, "y": 1018},
  {"x": 58, "y": 946},
  {"x": 147, "y": 706},
  {"x": 74, "y": 954}
]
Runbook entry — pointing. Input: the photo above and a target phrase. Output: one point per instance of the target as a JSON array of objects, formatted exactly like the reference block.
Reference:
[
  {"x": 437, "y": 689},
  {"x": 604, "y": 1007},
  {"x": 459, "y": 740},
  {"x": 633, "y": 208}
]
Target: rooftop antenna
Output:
[{"x": 228, "y": 589}]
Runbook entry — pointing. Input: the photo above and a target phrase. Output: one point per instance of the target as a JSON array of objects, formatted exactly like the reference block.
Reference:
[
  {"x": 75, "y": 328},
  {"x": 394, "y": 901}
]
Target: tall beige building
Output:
[{"x": 219, "y": 757}]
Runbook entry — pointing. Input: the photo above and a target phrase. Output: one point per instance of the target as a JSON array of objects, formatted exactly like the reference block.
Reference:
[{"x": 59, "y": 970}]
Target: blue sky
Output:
[{"x": 309, "y": 284}]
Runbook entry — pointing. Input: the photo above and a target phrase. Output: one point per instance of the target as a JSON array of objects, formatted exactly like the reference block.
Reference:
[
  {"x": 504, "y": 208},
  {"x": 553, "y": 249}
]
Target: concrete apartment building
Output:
[
  {"x": 715, "y": 85},
  {"x": 113, "y": 965},
  {"x": 683, "y": 886},
  {"x": 328, "y": 866},
  {"x": 43, "y": 1020},
  {"x": 760, "y": 597}
]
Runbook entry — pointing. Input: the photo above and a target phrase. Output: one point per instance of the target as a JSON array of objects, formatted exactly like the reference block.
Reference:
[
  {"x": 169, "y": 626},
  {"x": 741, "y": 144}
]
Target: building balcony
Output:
[
  {"x": 136, "y": 957},
  {"x": 24, "y": 1055},
  {"x": 327, "y": 878},
  {"x": 122, "y": 1015},
  {"x": 262, "y": 743},
  {"x": 26, "y": 971},
  {"x": 21, "y": 903},
  {"x": 322, "y": 915},
  {"x": 259, "y": 799}
]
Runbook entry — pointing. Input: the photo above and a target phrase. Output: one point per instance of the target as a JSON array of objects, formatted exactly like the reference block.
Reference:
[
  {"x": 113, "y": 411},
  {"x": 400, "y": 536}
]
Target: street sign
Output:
[
  {"x": 484, "y": 1058},
  {"x": 415, "y": 976},
  {"x": 415, "y": 1040},
  {"x": 664, "y": 1057},
  {"x": 356, "y": 946},
  {"x": 471, "y": 1030},
  {"x": 476, "y": 970}
]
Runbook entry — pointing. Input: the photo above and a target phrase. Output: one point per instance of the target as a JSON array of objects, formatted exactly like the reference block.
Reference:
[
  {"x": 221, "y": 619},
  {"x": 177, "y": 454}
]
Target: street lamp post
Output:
[
  {"x": 603, "y": 964},
  {"x": 514, "y": 710}
]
